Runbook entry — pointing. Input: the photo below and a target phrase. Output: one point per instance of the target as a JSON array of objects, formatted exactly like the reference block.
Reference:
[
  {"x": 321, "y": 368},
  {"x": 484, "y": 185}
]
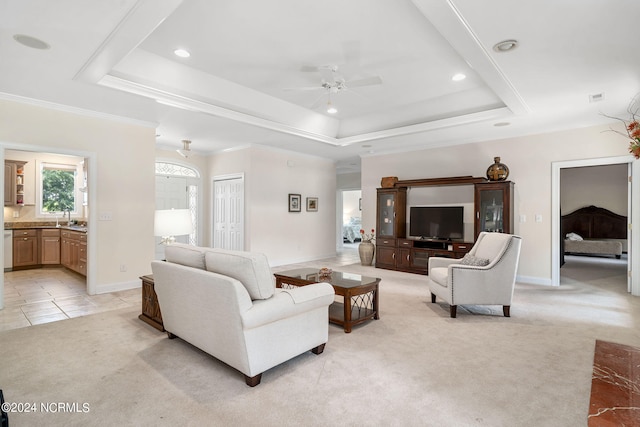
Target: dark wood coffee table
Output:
[{"x": 360, "y": 294}]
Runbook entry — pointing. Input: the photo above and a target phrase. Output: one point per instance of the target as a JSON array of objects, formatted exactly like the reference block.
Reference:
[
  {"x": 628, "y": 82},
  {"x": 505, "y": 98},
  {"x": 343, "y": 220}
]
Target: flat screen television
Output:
[{"x": 436, "y": 222}]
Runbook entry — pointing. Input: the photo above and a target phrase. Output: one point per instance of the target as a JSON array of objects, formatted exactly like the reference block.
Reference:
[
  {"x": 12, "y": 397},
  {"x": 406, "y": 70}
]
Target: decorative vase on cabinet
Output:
[{"x": 366, "y": 251}]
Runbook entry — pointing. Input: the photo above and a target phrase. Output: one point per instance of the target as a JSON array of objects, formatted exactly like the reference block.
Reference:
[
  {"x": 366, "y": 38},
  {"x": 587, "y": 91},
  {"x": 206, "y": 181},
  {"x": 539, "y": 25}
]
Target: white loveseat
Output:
[{"x": 226, "y": 304}]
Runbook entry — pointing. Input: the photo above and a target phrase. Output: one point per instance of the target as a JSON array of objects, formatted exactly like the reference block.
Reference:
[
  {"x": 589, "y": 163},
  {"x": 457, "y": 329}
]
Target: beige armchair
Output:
[{"x": 485, "y": 276}]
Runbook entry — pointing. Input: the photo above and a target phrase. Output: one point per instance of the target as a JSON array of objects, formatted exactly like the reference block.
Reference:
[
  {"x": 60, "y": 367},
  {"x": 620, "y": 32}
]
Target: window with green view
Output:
[{"x": 58, "y": 188}]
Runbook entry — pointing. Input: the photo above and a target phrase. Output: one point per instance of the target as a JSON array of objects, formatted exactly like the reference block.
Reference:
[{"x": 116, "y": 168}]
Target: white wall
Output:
[
  {"x": 529, "y": 159},
  {"x": 124, "y": 174},
  {"x": 270, "y": 176},
  {"x": 602, "y": 186}
]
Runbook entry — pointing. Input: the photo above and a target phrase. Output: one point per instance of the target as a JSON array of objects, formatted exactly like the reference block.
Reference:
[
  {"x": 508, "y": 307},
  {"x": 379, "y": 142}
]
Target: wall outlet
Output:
[
  {"x": 105, "y": 216},
  {"x": 16, "y": 214},
  {"x": 123, "y": 268},
  {"x": 538, "y": 218},
  {"x": 523, "y": 218}
]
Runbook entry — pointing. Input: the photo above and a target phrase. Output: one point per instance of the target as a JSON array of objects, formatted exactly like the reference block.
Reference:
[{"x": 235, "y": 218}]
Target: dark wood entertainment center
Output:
[{"x": 493, "y": 211}]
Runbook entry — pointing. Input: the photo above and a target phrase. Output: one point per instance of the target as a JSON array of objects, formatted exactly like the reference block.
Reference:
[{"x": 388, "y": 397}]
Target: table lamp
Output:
[{"x": 172, "y": 222}]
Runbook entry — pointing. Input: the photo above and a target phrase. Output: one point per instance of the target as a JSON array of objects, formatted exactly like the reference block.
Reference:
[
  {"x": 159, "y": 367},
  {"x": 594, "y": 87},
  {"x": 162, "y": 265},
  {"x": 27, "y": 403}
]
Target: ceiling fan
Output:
[{"x": 332, "y": 82}]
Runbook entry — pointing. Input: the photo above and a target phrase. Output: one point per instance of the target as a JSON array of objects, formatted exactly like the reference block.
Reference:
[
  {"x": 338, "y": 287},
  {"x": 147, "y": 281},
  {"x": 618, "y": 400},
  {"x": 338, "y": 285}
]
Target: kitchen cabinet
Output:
[
  {"x": 14, "y": 183},
  {"x": 25, "y": 248},
  {"x": 73, "y": 251},
  {"x": 50, "y": 246}
]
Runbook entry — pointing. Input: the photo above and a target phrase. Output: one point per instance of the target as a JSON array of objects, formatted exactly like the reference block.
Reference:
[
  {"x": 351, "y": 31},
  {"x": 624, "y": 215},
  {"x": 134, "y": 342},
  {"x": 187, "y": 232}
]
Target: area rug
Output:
[{"x": 415, "y": 366}]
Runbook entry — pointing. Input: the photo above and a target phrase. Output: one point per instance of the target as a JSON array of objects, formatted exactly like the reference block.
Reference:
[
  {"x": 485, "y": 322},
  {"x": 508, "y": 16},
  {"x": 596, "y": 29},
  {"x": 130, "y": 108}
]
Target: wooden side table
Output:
[{"x": 150, "y": 307}]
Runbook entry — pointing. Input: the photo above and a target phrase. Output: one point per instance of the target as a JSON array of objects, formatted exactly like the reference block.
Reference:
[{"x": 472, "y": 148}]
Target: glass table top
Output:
[{"x": 338, "y": 278}]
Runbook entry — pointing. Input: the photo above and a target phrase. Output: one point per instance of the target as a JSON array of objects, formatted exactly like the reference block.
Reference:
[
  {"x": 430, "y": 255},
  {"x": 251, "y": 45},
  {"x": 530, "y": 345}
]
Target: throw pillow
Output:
[
  {"x": 574, "y": 236},
  {"x": 474, "y": 261}
]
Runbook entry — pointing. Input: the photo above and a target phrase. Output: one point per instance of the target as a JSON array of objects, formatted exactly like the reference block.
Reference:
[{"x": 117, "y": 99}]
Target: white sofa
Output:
[{"x": 226, "y": 304}]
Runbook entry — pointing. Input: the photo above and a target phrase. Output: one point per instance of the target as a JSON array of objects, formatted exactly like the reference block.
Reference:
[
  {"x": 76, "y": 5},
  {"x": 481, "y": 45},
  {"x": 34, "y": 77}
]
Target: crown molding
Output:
[{"x": 75, "y": 110}]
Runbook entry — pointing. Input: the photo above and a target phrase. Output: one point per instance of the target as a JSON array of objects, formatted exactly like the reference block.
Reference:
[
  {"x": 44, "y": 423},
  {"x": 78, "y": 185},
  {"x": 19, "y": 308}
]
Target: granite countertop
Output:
[{"x": 43, "y": 224}]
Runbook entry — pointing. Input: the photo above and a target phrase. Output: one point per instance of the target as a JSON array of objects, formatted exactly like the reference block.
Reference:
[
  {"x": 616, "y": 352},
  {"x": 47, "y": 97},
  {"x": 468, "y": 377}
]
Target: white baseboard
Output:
[
  {"x": 534, "y": 280},
  {"x": 278, "y": 263},
  {"x": 115, "y": 287}
]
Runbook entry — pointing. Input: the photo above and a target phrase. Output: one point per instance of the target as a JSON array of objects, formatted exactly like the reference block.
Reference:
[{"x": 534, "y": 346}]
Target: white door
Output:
[
  {"x": 171, "y": 193},
  {"x": 228, "y": 214},
  {"x": 629, "y": 228}
]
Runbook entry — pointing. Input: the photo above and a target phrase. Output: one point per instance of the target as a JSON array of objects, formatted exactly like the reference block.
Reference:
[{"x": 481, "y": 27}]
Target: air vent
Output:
[{"x": 596, "y": 97}]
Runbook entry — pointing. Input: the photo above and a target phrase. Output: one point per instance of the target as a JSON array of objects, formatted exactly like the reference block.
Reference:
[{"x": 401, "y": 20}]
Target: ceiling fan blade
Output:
[
  {"x": 309, "y": 68},
  {"x": 367, "y": 81},
  {"x": 317, "y": 102},
  {"x": 308, "y": 88}
]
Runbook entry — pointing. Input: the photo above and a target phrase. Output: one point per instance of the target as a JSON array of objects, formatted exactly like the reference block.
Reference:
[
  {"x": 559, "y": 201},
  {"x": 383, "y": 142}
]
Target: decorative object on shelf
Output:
[
  {"x": 295, "y": 202},
  {"x": 497, "y": 171},
  {"x": 366, "y": 249},
  {"x": 312, "y": 204},
  {"x": 389, "y": 181},
  {"x": 632, "y": 128}
]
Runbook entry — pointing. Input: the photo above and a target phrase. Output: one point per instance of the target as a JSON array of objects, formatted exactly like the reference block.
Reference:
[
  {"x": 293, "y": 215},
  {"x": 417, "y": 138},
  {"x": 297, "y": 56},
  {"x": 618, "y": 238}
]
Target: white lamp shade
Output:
[{"x": 172, "y": 222}]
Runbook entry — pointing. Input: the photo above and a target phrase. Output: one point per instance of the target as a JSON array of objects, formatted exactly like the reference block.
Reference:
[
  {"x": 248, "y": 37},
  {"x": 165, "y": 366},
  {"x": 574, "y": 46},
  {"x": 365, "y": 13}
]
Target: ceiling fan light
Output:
[
  {"x": 331, "y": 109},
  {"x": 186, "y": 149}
]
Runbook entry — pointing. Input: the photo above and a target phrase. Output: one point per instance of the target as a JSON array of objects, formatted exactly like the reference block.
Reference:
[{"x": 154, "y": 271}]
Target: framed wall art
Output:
[
  {"x": 312, "y": 204},
  {"x": 295, "y": 201}
]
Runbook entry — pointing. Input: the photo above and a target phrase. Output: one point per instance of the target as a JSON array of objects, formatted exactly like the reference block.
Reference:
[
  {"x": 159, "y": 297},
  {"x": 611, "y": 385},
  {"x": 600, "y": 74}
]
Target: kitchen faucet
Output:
[{"x": 68, "y": 217}]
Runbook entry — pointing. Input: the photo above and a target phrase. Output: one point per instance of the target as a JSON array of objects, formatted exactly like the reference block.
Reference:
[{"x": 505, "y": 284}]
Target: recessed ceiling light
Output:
[
  {"x": 458, "y": 77},
  {"x": 505, "y": 46},
  {"x": 182, "y": 53},
  {"x": 500, "y": 124},
  {"x": 31, "y": 42}
]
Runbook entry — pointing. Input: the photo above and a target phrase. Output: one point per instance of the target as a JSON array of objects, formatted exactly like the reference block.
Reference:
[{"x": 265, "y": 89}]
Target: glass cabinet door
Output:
[
  {"x": 491, "y": 211},
  {"x": 386, "y": 210},
  {"x": 494, "y": 207}
]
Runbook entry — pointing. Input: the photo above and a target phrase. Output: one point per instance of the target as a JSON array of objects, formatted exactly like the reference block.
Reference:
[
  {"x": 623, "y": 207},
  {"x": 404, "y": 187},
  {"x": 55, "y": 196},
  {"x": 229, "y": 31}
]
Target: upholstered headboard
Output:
[{"x": 592, "y": 222}]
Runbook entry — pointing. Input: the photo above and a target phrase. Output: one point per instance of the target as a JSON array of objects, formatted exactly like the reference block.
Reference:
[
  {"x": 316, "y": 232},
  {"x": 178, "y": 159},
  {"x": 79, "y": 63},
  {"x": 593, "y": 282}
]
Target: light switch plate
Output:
[{"x": 105, "y": 216}]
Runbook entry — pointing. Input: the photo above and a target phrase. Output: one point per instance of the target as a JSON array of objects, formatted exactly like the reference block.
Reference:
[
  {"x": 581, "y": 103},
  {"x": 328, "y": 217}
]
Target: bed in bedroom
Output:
[{"x": 594, "y": 231}]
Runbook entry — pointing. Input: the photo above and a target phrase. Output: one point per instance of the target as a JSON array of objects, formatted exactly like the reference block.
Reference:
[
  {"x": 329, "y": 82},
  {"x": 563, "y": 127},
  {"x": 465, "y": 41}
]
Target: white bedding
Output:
[{"x": 593, "y": 247}]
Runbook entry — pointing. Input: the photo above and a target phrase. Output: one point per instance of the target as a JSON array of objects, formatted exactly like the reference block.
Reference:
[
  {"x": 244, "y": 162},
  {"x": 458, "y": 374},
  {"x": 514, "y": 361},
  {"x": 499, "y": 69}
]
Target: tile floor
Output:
[
  {"x": 46, "y": 295},
  {"x": 43, "y": 295}
]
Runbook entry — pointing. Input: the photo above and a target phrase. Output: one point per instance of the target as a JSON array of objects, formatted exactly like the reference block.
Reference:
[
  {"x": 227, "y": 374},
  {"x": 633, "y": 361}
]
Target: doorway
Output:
[
  {"x": 88, "y": 198},
  {"x": 228, "y": 212},
  {"x": 351, "y": 218},
  {"x": 633, "y": 214},
  {"x": 593, "y": 192},
  {"x": 177, "y": 187}
]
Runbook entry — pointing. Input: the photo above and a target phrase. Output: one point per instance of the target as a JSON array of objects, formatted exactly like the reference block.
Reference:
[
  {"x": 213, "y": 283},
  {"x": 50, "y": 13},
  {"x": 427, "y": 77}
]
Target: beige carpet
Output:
[{"x": 413, "y": 367}]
